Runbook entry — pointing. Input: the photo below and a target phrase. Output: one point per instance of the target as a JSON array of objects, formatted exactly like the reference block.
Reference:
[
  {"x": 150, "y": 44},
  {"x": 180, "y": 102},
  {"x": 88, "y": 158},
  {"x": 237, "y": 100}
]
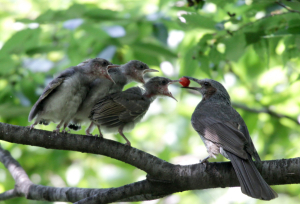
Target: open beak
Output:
[
  {"x": 106, "y": 74},
  {"x": 167, "y": 92},
  {"x": 150, "y": 70},
  {"x": 113, "y": 66},
  {"x": 170, "y": 95},
  {"x": 109, "y": 78}
]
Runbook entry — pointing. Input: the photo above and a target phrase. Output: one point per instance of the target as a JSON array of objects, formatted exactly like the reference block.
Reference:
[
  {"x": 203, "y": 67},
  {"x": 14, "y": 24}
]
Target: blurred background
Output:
[{"x": 251, "y": 46}]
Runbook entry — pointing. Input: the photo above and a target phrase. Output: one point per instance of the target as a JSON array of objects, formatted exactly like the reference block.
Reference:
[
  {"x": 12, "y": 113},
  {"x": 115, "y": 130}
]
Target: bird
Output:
[
  {"x": 223, "y": 131},
  {"x": 63, "y": 95},
  {"x": 134, "y": 70},
  {"x": 121, "y": 111}
]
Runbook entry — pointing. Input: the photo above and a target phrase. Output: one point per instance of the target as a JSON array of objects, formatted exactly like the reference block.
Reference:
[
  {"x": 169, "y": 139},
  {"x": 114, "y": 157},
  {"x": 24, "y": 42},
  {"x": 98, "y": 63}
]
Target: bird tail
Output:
[{"x": 252, "y": 183}]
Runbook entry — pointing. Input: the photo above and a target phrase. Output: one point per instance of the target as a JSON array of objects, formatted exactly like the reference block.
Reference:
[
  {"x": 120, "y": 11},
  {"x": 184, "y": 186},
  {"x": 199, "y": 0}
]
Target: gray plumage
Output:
[
  {"x": 224, "y": 131},
  {"x": 121, "y": 111},
  {"x": 63, "y": 95},
  {"x": 122, "y": 75}
]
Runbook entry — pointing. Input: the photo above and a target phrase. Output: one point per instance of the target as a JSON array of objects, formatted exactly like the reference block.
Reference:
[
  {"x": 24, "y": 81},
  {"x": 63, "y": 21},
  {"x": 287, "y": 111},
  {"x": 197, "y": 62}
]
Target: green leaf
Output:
[
  {"x": 261, "y": 49},
  {"x": 235, "y": 47},
  {"x": 253, "y": 37},
  {"x": 8, "y": 65},
  {"x": 21, "y": 41},
  {"x": 189, "y": 64},
  {"x": 101, "y": 14},
  {"x": 215, "y": 56},
  {"x": 200, "y": 21},
  {"x": 204, "y": 66},
  {"x": 153, "y": 49}
]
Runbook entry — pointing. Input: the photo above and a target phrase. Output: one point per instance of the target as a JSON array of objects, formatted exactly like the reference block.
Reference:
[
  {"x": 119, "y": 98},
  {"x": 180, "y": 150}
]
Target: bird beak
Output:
[
  {"x": 170, "y": 95},
  {"x": 113, "y": 66},
  {"x": 150, "y": 70},
  {"x": 106, "y": 74},
  {"x": 167, "y": 92},
  {"x": 193, "y": 79},
  {"x": 140, "y": 75},
  {"x": 109, "y": 78},
  {"x": 174, "y": 81}
]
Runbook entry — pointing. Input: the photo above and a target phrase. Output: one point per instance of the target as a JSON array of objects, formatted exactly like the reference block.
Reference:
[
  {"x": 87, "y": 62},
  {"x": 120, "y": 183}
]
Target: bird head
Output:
[
  {"x": 96, "y": 68},
  {"x": 209, "y": 88},
  {"x": 100, "y": 68},
  {"x": 159, "y": 86},
  {"x": 135, "y": 70}
]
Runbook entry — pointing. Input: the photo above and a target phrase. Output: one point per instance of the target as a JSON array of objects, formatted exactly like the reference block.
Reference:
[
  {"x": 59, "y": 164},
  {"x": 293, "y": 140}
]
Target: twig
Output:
[
  {"x": 264, "y": 110},
  {"x": 287, "y": 8}
]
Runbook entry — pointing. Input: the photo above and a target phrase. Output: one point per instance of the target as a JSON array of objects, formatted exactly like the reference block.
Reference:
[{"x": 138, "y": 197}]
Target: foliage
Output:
[{"x": 251, "y": 46}]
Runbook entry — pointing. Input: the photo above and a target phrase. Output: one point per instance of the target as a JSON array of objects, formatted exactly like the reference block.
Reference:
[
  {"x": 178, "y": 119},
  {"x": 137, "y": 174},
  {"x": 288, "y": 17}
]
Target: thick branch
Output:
[
  {"x": 190, "y": 177},
  {"x": 142, "y": 160}
]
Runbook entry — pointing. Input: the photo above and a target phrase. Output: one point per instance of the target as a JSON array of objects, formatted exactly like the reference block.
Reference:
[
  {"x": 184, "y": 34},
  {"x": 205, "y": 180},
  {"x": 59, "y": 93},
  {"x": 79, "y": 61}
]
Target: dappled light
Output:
[{"x": 252, "y": 47}]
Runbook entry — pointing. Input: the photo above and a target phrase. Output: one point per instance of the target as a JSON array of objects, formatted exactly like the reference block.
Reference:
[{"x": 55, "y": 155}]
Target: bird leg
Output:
[
  {"x": 90, "y": 129},
  {"x": 32, "y": 126},
  {"x": 205, "y": 160},
  {"x": 100, "y": 133},
  {"x": 65, "y": 131},
  {"x": 121, "y": 133},
  {"x": 56, "y": 131}
]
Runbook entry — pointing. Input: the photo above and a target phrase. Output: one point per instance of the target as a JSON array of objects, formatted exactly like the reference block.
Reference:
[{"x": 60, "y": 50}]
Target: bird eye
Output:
[
  {"x": 105, "y": 63},
  {"x": 206, "y": 83},
  {"x": 142, "y": 66},
  {"x": 164, "y": 82}
]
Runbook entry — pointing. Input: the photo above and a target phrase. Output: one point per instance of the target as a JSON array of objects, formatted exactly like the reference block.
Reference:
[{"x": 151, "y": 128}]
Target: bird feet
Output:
[
  {"x": 204, "y": 161},
  {"x": 101, "y": 136},
  {"x": 30, "y": 127},
  {"x": 128, "y": 143},
  {"x": 65, "y": 131},
  {"x": 56, "y": 131}
]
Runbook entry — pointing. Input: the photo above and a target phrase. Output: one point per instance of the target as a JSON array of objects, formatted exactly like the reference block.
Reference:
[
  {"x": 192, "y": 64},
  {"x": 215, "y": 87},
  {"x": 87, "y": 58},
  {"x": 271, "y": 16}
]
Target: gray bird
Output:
[
  {"x": 122, "y": 75},
  {"x": 224, "y": 131},
  {"x": 63, "y": 95},
  {"x": 121, "y": 111}
]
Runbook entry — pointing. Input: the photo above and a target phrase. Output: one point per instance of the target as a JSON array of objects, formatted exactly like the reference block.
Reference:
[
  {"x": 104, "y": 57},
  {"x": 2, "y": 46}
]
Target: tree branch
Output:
[
  {"x": 190, "y": 177},
  {"x": 287, "y": 8},
  {"x": 95, "y": 145},
  {"x": 265, "y": 110}
]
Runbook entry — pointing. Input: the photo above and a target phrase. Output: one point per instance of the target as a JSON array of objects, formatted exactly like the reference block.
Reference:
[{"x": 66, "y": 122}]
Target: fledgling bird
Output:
[
  {"x": 224, "y": 131},
  {"x": 134, "y": 70},
  {"x": 63, "y": 95},
  {"x": 121, "y": 111}
]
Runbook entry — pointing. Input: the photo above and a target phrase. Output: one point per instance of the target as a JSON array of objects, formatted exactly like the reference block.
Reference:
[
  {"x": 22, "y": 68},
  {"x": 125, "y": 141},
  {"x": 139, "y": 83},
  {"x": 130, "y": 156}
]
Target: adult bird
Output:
[
  {"x": 63, "y": 95},
  {"x": 224, "y": 131},
  {"x": 121, "y": 111},
  {"x": 134, "y": 70}
]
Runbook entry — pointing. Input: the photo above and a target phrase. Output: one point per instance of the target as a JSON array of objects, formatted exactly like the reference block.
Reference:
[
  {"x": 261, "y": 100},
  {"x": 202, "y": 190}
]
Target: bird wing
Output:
[
  {"x": 250, "y": 147},
  {"x": 56, "y": 82},
  {"x": 226, "y": 134},
  {"x": 120, "y": 108}
]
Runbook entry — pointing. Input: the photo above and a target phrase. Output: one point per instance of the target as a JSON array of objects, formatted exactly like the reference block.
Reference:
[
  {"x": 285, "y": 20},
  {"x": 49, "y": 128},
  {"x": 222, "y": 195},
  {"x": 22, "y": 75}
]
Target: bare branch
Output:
[
  {"x": 264, "y": 110},
  {"x": 22, "y": 181},
  {"x": 164, "y": 178},
  {"x": 152, "y": 165},
  {"x": 287, "y": 8},
  {"x": 9, "y": 194}
]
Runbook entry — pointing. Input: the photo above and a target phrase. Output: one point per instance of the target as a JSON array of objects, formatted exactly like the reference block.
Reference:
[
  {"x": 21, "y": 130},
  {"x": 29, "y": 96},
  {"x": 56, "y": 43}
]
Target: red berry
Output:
[{"x": 185, "y": 82}]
